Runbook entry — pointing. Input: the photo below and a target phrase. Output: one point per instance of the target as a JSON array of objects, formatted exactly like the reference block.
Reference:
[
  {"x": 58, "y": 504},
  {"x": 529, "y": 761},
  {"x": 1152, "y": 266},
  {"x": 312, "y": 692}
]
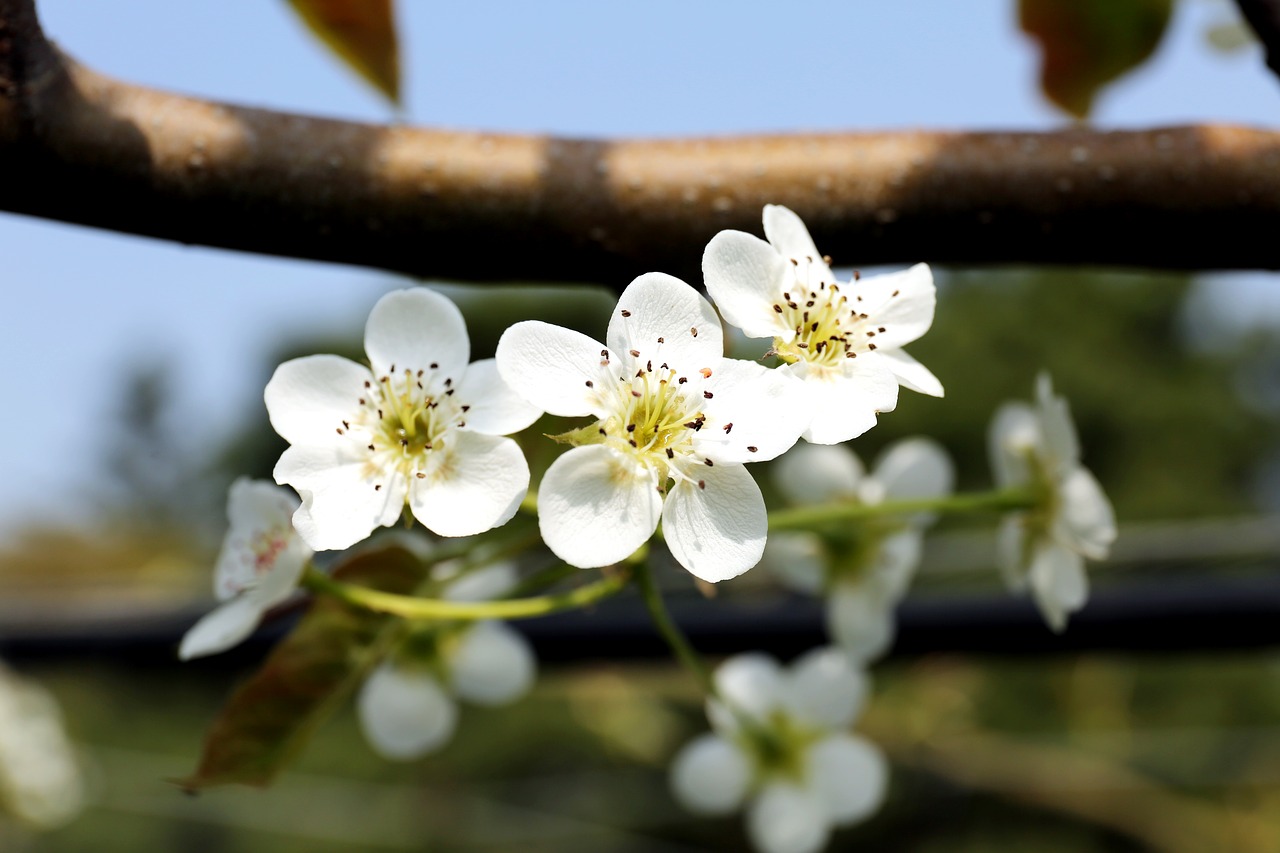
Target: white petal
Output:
[
  {"x": 404, "y": 714},
  {"x": 1012, "y": 555},
  {"x": 256, "y": 509},
  {"x": 657, "y": 305},
  {"x": 914, "y": 468},
  {"x": 845, "y": 404},
  {"x": 851, "y": 774},
  {"x": 1014, "y": 432},
  {"x": 789, "y": 236},
  {"x": 494, "y": 408},
  {"x": 280, "y": 581},
  {"x": 492, "y": 665},
  {"x": 414, "y": 329},
  {"x": 716, "y": 526},
  {"x": 710, "y": 776},
  {"x": 860, "y": 619},
  {"x": 259, "y": 504},
  {"x": 1055, "y": 423},
  {"x": 221, "y": 628},
  {"x": 478, "y": 487},
  {"x": 824, "y": 689},
  {"x": 482, "y": 584},
  {"x": 908, "y": 314},
  {"x": 785, "y": 818},
  {"x": 596, "y": 506},
  {"x": 308, "y": 398},
  {"x": 746, "y": 277},
  {"x": 894, "y": 562},
  {"x": 1058, "y": 583},
  {"x": 340, "y": 502},
  {"x": 765, "y": 409},
  {"x": 551, "y": 367},
  {"x": 798, "y": 560},
  {"x": 752, "y": 684},
  {"x": 1086, "y": 521},
  {"x": 912, "y": 374},
  {"x": 812, "y": 474}
]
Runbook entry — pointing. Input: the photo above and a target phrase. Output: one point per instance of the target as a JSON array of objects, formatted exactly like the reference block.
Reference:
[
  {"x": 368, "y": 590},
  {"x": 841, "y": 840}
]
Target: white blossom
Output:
[
  {"x": 41, "y": 780},
  {"x": 865, "y": 567},
  {"x": 781, "y": 748},
  {"x": 1035, "y": 447},
  {"x": 844, "y": 340},
  {"x": 675, "y": 421},
  {"x": 420, "y": 426},
  {"x": 261, "y": 560},
  {"x": 407, "y": 706}
]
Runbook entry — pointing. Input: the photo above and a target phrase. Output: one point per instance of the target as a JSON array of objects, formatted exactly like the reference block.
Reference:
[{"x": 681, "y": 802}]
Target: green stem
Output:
[
  {"x": 671, "y": 632},
  {"x": 805, "y": 517},
  {"x": 412, "y": 607}
]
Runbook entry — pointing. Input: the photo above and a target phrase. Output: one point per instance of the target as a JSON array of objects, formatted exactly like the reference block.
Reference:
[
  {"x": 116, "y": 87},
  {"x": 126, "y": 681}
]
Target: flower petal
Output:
[
  {"x": 414, "y": 329},
  {"x": 341, "y": 504},
  {"x": 746, "y": 277},
  {"x": 478, "y": 487},
  {"x": 902, "y": 302},
  {"x": 308, "y": 398},
  {"x": 716, "y": 526},
  {"x": 658, "y": 307},
  {"x": 752, "y": 684},
  {"x": 798, "y": 560},
  {"x": 912, "y": 469},
  {"x": 710, "y": 776},
  {"x": 1059, "y": 431},
  {"x": 221, "y": 628},
  {"x": 894, "y": 562},
  {"x": 785, "y": 818},
  {"x": 824, "y": 689},
  {"x": 1086, "y": 522},
  {"x": 852, "y": 776},
  {"x": 1012, "y": 555},
  {"x": 765, "y": 411},
  {"x": 811, "y": 474},
  {"x": 494, "y": 409},
  {"x": 404, "y": 714},
  {"x": 845, "y": 404},
  {"x": 259, "y": 504},
  {"x": 493, "y": 665},
  {"x": 790, "y": 238},
  {"x": 552, "y": 367},
  {"x": 1058, "y": 583},
  {"x": 912, "y": 374},
  {"x": 484, "y": 584},
  {"x": 1014, "y": 432},
  {"x": 596, "y": 506},
  {"x": 860, "y": 619}
]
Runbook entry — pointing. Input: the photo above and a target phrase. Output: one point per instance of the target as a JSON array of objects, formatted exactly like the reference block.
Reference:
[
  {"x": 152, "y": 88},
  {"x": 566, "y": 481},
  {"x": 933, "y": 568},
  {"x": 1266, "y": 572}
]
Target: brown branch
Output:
[{"x": 83, "y": 148}]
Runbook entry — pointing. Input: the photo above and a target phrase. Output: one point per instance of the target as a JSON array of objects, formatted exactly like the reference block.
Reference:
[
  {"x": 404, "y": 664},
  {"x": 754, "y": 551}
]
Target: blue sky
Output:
[{"x": 83, "y": 306}]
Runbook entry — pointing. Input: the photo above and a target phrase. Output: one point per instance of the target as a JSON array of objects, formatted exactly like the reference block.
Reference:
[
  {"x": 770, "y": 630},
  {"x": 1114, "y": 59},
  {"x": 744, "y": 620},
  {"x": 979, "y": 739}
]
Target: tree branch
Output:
[{"x": 80, "y": 147}]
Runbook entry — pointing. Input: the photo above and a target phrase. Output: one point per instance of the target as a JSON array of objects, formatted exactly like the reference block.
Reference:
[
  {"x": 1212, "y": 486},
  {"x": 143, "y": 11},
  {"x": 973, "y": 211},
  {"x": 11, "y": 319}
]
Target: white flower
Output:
[
  {"x": 675, "y": 422},
  {"x": 406, "y": 707},
  {"x": 1035, "y": 447},
  {"x": 844, "y": 340},
  {"x": 866, "y": 567},
  {"x": 40, "y": 777},
  {"x": 261, "y": 560},
  {"x": 422, "y": 427},
  {"x": 780, "y": 741}
]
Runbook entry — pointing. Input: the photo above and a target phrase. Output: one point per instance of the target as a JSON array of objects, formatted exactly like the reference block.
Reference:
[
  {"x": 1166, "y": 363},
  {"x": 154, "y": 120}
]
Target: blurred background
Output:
[{"x": 1153, "y": 724}]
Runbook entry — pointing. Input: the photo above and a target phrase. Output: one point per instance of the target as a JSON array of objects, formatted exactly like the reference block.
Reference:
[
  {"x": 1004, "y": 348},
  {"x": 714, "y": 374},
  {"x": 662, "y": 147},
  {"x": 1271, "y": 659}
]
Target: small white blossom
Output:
[
  {"x": 844, "y": 340},
  {"x": 781, "y": 746},
  {"x": 864, "y": 569},
  {"x": 261, "y": 560},
  {"x": 40, "y": 776},
  {"x": 420, "y": 426},
  {"x": 407, "y": 706},
  {"x": 675, "y": 421},
  {"x": 1036, "y": 447}
]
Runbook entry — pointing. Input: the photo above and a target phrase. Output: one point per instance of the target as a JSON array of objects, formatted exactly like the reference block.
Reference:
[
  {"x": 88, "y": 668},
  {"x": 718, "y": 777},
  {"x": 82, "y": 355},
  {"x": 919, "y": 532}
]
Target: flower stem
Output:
[
  {"x": 671, "y": 632},
  {"x": 803, "y": 517},
  {"x": 413, "y": 607}
]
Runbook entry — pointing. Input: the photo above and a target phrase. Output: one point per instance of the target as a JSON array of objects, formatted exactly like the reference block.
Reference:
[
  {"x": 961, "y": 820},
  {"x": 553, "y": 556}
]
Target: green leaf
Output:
[
  {"x": 363, "y": 35},
  {"x": 1086, "y": 44},
  {"x": 269, "y": 719}
]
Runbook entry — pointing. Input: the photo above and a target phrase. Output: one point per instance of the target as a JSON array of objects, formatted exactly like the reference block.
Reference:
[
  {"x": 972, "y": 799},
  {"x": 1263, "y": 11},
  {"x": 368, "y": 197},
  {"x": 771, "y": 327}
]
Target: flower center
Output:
[
  {"x": 779, "y": 747},
  {"x": 267, "y": 547},
  {"x": 828, "y": 326},
  {"x": 654, "y": 418}
]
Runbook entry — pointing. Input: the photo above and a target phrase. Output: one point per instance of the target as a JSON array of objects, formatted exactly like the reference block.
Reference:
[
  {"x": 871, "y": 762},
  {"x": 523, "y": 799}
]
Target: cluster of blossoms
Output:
[{"x": 671, "y": 423}]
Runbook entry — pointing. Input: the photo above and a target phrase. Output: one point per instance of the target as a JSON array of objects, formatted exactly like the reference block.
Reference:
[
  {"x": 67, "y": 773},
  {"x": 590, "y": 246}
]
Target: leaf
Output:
[
  {"x": 362, "y": 33},
  {"x": 1086, "y": 44},
  {"x": 269, "y": 719}
]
